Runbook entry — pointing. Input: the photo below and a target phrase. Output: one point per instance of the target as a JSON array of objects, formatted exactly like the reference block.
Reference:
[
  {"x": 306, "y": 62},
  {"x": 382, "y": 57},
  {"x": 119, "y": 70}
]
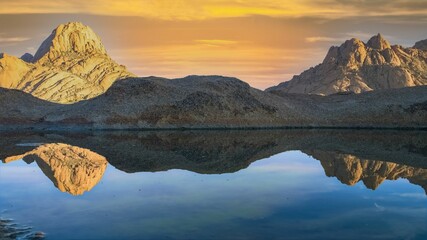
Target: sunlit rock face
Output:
[
  {"x": 350, "y": 169},
  {"x": 70, "y": 65},
  {"x": 72, "y": 169},
  {"x": 358, "y": 67}
]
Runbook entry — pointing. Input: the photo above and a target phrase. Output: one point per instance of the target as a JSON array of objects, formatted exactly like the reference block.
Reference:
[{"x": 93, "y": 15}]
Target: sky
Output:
[{"x": 262, "y": 42}]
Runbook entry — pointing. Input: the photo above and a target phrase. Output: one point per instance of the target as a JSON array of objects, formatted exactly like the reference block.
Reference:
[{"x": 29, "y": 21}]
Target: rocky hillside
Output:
[
  {"x": 71, "y": 65},
  {"x": 215, "y": 102},
  {"x": 358, "y": 67}
]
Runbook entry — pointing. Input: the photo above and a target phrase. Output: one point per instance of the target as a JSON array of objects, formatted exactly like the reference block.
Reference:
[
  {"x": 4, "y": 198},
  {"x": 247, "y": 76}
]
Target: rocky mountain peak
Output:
[
  {"x": 70, "y": 39},
  {"x": 71, "y": 65},
  {"x": 378, "y": 42},
  {"x": 422, "y": 45},
  {"x": 358, "y": 67},
  {"x": 351, "y": 52}
]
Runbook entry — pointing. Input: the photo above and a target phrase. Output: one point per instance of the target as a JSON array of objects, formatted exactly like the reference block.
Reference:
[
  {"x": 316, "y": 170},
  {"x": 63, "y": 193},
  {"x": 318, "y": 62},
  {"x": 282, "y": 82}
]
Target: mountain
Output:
[
  {"x": 70, "y": 65},
  {"x": 72, "y": 169},
  {"x": 358, "y": 67},
  {"x": 350, "y": 155},
  {"x": 215, "y": 102}
]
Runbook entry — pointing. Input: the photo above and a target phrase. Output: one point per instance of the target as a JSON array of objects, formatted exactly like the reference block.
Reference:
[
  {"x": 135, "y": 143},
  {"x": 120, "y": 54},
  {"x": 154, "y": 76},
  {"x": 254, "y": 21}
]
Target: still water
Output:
[{"x": 269, "y": 184}]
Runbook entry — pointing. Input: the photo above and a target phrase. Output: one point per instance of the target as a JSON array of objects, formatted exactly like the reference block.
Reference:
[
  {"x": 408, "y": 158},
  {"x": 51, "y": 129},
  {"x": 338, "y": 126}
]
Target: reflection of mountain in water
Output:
[
  {"x": 351, "y": 156},
  {"x": 72, "y": 169},
  {"x": 349, "y": 170}
]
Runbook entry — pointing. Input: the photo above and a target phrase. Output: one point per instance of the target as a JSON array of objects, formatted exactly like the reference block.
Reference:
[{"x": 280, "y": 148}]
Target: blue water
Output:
[{"x": 285, "y": 196}]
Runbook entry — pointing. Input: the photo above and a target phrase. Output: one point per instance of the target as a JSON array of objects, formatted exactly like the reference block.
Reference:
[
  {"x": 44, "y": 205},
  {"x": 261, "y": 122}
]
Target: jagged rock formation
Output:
[
  {"x": 350, "y": 169},
  {"x": 358, "y": 67},
  {"x": 72, "y": 169},
  {"x": 71, "y": 65}
]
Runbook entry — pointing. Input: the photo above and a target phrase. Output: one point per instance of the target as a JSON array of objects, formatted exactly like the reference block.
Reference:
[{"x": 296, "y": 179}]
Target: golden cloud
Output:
[{"x": 196, "y": 10}]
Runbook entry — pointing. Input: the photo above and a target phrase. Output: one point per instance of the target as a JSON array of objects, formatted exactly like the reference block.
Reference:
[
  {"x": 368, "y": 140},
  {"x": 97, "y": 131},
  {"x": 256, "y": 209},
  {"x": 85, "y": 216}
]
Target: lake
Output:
[{"x": 257, "y": 184}]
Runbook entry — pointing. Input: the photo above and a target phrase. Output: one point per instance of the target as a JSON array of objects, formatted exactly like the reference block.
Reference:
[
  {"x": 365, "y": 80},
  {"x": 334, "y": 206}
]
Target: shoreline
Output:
[{"x": 95, "y": 129}]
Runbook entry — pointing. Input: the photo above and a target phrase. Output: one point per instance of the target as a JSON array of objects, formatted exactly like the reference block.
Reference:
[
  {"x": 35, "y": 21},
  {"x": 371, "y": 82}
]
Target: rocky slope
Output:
[
  {"x": 72, "y": 169},
  {"x": 70, "y": 65},
  {"x": 358, "y": 67},
  {"x": 215, "y": 102}
]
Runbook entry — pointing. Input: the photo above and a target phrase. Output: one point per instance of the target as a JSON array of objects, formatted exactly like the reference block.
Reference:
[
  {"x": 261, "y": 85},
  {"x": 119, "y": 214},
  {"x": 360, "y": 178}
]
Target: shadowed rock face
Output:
[
  {"x": 351, "y": 156},
  {"x": 71, "y": 65},
  {"x": 358, "y": 67},
  {"x": 72, "y": 169}
]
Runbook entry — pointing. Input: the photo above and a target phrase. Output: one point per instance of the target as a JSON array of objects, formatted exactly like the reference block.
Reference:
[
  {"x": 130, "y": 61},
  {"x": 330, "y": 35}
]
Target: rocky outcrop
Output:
[
  {"x": 358, "y": 67},
  {"x": 72, "y": 169},
  {"x": 71, "y": 65}
]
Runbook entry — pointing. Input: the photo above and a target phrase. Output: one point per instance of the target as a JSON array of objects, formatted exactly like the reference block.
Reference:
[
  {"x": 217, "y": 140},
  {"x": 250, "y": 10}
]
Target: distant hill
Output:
[
  {"x": 214, "y": 102},
  {"x": 358, "y": 67}
]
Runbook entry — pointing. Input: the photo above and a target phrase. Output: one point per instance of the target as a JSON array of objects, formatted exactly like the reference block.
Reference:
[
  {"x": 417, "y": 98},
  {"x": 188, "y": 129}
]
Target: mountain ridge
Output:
[
  {"x": 215, "y": 102},
  {"x": 356, "y": 66}
]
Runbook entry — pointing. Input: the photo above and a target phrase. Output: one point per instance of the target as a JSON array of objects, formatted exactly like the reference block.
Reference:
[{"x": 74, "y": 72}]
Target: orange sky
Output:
[{"x": 260, "y": 42}]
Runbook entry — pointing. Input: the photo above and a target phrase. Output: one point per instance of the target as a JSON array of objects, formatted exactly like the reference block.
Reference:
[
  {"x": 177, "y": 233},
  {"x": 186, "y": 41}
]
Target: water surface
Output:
[{"x": 275, "y": 184}]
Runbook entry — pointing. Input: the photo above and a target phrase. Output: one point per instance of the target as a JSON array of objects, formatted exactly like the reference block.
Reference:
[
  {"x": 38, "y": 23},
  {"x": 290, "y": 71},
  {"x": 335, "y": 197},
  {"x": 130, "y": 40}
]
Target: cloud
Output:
[
  {"x": 322, "y": 39},
  {"x": 364, "y": 36},
  {"x": 216, "y": 42},
  {"x": 12, "y": 39},
  {"x": 196, "y": 10}
]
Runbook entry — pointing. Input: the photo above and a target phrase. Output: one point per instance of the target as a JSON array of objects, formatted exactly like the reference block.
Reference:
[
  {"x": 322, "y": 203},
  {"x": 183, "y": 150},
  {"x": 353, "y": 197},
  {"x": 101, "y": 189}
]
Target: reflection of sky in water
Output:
[{"x": 284, "y": 196}]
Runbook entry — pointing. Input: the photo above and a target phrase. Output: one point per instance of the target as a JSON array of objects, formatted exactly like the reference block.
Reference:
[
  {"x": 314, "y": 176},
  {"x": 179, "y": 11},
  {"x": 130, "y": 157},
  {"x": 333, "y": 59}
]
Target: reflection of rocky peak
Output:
[
  {"x": 70, "y": 65},
  {"x": 72, "y": 169},
  {"x": 358, "y": 67},
  {"x": 350, "y": 169}
]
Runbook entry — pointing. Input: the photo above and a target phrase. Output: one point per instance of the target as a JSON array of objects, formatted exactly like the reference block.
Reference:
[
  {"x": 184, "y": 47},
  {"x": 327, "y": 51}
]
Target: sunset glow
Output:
[{"x": 260, "y": 42}]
